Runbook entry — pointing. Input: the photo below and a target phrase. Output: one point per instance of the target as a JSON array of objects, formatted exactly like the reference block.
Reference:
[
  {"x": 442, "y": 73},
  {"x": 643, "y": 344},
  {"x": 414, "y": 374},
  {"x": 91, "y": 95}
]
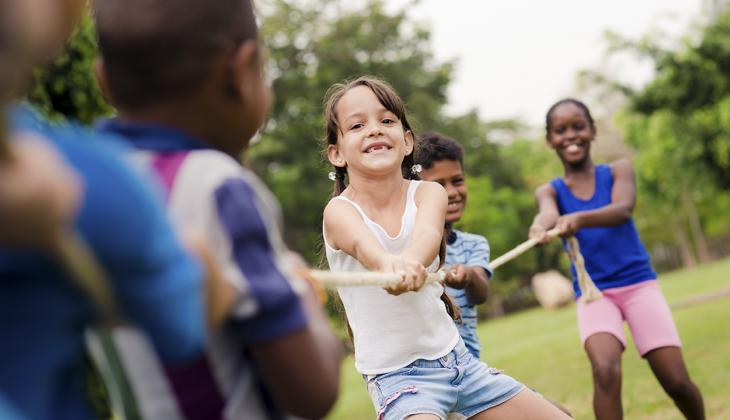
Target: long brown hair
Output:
[
  {"x": 388, "y": 98},
  {"x": 392, "y": 102}
]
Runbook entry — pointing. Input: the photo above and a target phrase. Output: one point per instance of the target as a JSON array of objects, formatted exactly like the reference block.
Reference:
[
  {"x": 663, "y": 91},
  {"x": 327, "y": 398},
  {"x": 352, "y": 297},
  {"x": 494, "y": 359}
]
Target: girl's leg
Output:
[
  {"x": 527, "y": 405},
  {"x": 423, "y": 417},
  {"x": 604, "y": 351},
  {"x": 668, "y": 367},
  {"x": 657, "y": 339}
]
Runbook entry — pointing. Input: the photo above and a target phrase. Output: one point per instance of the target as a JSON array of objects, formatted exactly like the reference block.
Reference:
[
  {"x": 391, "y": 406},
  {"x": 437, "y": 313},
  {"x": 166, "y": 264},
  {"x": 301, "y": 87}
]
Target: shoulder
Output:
[
  {"x": 337, "y": 212},
  {"x": 545, "y": 190},
  {"x": 622, "y": 169},
  {"x": 621, "y": 165},
  {"x": 471, "y": 237},
  {"x": 429, "y": 190}
]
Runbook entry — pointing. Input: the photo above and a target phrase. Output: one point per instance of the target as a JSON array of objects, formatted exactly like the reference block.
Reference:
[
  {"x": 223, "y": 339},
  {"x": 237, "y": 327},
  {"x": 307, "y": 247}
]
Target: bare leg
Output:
[
  {"x": 527, "y": 405},
  {"x": 668, "y": 367},
  {"x": 423, "y": 417},
  {"x": 559, "y": 406},
  {"x": 604, "y": 351}
]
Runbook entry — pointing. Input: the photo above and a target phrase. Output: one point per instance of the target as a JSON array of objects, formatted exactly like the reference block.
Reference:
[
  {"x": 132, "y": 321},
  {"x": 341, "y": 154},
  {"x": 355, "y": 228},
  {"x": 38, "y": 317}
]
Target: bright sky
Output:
[{"x": 517, "y": 57}]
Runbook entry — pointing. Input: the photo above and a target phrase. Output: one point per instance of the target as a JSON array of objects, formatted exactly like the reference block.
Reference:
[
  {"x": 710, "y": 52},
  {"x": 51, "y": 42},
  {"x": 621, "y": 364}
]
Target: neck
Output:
[
  {"x": 582, "y": 168},
  {"x": 379, "y": 191},
  {"x": 188, "y": 118}
]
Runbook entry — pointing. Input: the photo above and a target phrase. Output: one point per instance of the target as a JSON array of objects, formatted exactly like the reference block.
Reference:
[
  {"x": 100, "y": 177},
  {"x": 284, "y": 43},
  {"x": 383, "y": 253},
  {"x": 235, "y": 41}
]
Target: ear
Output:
[
  {"x": 335, "y": 157},
  {"x": 102, "y": 80},
  {"x": 410, "y": 141},
  {"x": 246, "y": 74}
]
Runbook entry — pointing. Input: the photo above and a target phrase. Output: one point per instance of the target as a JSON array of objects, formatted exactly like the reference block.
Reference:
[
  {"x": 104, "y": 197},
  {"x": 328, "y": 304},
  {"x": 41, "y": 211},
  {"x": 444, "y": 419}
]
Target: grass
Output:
[{"x": 541, "y": 348}]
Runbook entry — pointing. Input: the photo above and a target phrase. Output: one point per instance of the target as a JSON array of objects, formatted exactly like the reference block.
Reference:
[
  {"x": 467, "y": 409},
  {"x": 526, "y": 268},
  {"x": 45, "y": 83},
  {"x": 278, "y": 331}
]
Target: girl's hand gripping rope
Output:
[{"x": 413, "y": 273}]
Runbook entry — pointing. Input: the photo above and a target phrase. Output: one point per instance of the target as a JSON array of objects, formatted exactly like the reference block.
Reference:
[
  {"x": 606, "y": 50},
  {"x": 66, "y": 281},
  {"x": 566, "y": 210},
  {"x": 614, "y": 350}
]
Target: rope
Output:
[
  {"x": 331, "y": 279},
  {"x": 589, "y": 291}
]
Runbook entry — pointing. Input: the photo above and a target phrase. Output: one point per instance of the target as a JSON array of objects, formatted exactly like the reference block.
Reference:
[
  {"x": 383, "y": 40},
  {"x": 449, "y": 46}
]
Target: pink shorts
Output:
[{"x": 641, "y": 305}]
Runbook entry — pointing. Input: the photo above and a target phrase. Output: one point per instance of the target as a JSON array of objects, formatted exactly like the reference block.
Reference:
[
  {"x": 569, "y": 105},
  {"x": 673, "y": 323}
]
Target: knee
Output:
[{"x": 607, "y": 374}]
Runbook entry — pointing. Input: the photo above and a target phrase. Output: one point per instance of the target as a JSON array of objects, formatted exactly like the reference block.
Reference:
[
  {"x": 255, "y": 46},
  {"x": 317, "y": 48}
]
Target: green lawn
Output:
[{"x": 542, "y": 349}]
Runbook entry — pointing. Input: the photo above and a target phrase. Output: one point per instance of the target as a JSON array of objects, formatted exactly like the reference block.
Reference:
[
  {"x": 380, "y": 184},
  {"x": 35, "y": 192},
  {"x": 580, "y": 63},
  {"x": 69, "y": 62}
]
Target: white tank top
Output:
[{"x": 389, "y": 331}]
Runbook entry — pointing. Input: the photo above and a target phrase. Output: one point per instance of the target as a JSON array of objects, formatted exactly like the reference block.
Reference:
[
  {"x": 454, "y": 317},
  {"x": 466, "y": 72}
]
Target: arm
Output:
[
  {"x": 346, "y": 231},
  {"x": 473, "y": 279},
  {"x": 473, "y": 276},
  {"x": 302, "y": 369},
  {"x": 623, "y": 200},
  {"x": 431, "y": 200},
  {"x": 289, "y": 335},
  {"x": 547, "y": 214},
  {"x": 39, "y": 194}
]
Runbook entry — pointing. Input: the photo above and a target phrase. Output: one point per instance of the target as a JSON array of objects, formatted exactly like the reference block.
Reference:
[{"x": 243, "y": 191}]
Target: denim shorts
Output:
[{"x": 455, "y": 383}]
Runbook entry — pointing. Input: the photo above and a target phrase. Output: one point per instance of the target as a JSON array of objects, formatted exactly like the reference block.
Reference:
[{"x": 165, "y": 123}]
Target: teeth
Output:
[{"x": 572, "y": 148}]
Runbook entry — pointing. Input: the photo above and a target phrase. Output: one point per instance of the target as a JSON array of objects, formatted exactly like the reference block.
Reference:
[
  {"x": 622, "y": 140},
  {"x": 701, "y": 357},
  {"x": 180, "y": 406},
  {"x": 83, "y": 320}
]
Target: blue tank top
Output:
[{"x": 614, "y": 255}]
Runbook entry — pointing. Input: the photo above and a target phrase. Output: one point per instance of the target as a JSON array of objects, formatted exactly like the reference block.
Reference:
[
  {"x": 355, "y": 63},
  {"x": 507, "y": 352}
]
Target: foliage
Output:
[
  {"x": 67, "y": 87},
  {"x": 315, "y": 44}
]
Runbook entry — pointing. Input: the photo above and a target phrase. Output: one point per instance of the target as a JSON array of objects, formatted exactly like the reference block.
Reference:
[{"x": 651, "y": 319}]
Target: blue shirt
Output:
[
  {"x": 43, "y": 315},
  {"x": 470, "y": 250},
  {"x": 211, "y": 192},
  {"x": 614, "y": 255}
]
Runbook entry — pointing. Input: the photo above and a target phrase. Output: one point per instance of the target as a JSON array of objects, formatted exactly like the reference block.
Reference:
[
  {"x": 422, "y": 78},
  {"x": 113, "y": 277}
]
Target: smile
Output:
[{"x": 377, "y": 147}]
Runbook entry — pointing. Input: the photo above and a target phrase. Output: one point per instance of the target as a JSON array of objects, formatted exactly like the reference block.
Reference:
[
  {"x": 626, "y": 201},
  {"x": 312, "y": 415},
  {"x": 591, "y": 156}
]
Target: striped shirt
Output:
[
  {"x": 210, "y": 192},
  {"x": 470, "y": 250}
]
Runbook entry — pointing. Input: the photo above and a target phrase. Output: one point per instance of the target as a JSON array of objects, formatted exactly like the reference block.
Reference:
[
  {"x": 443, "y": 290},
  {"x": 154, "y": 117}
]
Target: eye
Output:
[
  {"x": 457, "y": 181},
  {"x": 355, "y": 126},
  {"x": 388, "y": 121},
  {"x": 578, "y": 126},
  {"x": 559, "y": 129}
]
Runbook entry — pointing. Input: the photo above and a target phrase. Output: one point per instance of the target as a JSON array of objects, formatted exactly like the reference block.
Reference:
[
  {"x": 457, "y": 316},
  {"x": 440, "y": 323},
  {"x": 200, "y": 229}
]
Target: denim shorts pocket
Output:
[{"x": 386, "y": 388}]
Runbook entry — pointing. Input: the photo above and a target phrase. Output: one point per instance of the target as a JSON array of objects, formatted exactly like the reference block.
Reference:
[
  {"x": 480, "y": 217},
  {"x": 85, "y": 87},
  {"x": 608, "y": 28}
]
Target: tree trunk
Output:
[
  {"x": 685, "y": 252},
  {"x": 698, "y": 236}
]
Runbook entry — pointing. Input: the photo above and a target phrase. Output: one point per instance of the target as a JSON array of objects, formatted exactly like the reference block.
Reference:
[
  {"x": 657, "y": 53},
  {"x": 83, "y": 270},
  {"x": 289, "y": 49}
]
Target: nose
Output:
[{"x": 375, "y": 130}]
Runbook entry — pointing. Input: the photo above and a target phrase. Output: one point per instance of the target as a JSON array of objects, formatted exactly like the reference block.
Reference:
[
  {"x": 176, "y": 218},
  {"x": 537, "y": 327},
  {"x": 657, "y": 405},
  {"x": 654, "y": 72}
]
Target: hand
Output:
[
  {"x": 568, "y": 225},
  {"x": 540, "y": 233},
  {"x": 457, "y": 277},
  {"x": 413, "y": 273},
  {"x": 299, "y": 267},
  {"x": 39, "y": 194}
]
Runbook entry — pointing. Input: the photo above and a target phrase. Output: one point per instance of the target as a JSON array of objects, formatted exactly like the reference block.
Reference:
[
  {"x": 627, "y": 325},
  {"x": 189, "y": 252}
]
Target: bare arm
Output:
[
  {"x": 39, "y": 194},
  {"x": 473, "y": 279},
  {"x": 431, "y": 200},
  {"x": 547, "y": 213},
  {"x": 623, "y": 200},
  {"x": 289, "y": 364}
]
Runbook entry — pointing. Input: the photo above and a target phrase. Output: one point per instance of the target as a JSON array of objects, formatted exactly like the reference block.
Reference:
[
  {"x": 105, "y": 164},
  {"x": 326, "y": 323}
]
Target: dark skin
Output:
[
  {"x": 570, "y": 134},
  {"x": 301, "y": 369},
  {"x": 473, "y": 279}
]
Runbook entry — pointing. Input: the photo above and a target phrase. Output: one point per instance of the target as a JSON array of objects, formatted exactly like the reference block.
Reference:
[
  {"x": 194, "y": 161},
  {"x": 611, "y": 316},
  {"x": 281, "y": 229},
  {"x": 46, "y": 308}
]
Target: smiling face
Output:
[
  {"x": 450, "y": 175},
  {"x": 570, "y": 133},
  {"x": 371, "y": 138}
]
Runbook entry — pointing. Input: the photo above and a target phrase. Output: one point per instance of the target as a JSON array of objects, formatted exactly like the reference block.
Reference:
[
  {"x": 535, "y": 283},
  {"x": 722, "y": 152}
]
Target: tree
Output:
[
  {"x": 67, "y": 88},
  {"x": 315, "y": 44}
]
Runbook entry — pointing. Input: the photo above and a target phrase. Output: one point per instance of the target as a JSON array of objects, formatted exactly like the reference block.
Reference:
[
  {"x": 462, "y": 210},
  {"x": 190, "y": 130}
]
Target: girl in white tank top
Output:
[{"x": 406, "y": 344}]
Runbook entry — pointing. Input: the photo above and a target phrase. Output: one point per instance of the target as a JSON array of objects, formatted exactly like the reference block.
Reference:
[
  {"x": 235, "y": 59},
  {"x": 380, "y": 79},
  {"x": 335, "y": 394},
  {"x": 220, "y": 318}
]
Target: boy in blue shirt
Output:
[
  {"x": 43, "y": 314},
  {"x": 467, "y": 254}
]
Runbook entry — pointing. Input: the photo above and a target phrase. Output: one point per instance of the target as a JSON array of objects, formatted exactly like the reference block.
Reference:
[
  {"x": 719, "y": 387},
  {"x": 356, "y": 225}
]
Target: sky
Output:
[{"x": 516, "y": 57}]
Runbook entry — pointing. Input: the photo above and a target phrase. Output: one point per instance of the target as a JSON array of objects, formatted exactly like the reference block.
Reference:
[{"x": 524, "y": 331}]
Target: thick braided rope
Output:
[
  {"x": 330, "y": 279},
  {"x": 588, "y": 289}
]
